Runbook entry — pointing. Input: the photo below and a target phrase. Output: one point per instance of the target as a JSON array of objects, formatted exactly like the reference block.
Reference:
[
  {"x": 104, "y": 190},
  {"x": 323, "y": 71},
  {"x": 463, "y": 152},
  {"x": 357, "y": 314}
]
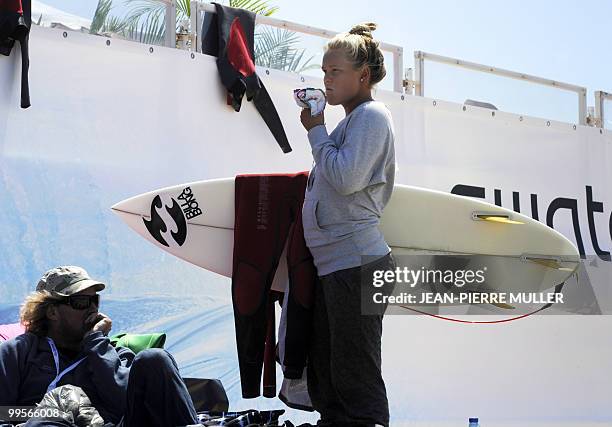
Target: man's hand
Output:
[
  {"x": 101, "y": 322},
  {"x": 308, "y": 121}
]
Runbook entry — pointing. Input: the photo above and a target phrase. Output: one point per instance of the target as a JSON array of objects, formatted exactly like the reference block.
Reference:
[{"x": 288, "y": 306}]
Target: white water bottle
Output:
[{"x": 474, "y": 422}]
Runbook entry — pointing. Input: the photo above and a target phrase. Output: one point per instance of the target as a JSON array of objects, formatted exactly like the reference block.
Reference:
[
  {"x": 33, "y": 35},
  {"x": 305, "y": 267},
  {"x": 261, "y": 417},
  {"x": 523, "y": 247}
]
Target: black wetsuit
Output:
[{"x": 15, "y": 22}]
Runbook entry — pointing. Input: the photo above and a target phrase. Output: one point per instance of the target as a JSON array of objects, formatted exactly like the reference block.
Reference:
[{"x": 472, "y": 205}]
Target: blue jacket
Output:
[{"x": 27, "y": 368}]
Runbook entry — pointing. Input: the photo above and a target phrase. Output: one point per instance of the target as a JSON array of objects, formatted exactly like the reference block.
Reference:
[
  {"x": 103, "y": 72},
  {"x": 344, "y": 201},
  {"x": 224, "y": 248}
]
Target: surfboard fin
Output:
[
  {"x": 494, "y": 217},
  {"x": 549, "y": 262}
]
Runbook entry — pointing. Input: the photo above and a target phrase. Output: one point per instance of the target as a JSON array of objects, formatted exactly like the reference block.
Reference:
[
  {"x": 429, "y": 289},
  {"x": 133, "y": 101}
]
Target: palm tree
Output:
[
  {"x": 144, "y": 22},
  {"x": 102, "y": 23}
]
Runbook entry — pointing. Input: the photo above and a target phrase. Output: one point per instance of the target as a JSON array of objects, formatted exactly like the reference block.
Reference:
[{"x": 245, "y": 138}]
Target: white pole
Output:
[{"x": 170, "y": 21}]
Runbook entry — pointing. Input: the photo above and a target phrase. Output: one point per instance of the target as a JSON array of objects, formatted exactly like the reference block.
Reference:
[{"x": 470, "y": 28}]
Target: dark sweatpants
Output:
[
  {"x": 156, "y": 394},
  {"x": 344, "y": 369}
]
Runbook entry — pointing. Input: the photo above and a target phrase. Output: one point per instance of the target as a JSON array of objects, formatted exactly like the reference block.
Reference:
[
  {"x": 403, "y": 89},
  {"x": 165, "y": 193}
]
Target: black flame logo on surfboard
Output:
[{"x": 157, "y": 226}]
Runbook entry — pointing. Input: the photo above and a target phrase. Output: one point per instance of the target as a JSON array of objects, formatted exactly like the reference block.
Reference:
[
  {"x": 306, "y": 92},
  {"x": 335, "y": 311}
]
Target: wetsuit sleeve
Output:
[
  {"x": 349, "y": 165},
  {"x": 12, "y": 354},
  {"x": 109, "y": 368}
]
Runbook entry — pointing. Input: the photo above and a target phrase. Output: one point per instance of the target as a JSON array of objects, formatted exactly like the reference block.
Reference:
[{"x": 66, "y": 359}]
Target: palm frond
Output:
[
  {"x": 102, "y": 10},
  {"x": 113, "y": 25},
  {"x": 276, "y": 48},
  {"x": 270, "y": 42},
  {"x": 183, "y": 9},
  {"x": 260, "y": 7},
  {"x": 297, "y": 64},
  {"x": 145, "y": 21},
  {"x": 142, "y": 8}
]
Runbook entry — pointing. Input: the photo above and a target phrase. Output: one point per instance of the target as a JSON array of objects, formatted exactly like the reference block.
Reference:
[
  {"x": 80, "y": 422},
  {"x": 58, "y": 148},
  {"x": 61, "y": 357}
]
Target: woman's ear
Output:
[{"x": 365, "y": 75}]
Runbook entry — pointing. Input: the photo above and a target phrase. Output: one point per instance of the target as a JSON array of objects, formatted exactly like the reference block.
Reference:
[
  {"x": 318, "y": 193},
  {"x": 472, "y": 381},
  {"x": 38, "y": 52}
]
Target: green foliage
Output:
[
  {"x": 102, "y": 10},
  {"x": 275, "y": 48},
  {"x": 260, "y": 7},
  {"x": 145, "y": 23}
]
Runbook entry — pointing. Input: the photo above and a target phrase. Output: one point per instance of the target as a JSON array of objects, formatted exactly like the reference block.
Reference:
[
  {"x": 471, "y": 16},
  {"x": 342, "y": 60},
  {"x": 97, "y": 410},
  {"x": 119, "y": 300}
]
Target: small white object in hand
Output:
[{"x": 311, "y": 98}]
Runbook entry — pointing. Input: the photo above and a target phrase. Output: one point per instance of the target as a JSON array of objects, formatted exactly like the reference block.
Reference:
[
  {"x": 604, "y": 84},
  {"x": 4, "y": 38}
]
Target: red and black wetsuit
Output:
[{"x": 268, "y": 214}]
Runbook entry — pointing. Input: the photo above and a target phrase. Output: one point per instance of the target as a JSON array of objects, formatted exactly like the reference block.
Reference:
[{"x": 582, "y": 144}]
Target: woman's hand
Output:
[{"x": 308, "y": 121}]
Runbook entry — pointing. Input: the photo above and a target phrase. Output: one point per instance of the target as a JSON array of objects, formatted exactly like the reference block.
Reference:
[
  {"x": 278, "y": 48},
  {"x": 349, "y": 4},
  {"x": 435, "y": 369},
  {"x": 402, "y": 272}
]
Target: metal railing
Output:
[
  {"x": 170, "y": 22},
  {"x": 419, "y": 80},
  {"x": 198, "y": 7},
  {"x": 401, "y": 83},
  {"x": 600, "y": 97}
]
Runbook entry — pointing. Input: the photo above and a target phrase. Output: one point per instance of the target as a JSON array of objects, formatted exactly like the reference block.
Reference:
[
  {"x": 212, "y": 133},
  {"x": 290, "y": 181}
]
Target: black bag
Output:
[
  {"x": 207, "y": 395},
  {"x": 15, "y": 23}
]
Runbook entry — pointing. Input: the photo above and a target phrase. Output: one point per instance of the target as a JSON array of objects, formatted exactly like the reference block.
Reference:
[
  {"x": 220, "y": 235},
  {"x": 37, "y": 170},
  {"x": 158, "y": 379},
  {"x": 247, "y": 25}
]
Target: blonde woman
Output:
[{"x": 348, "y": 188}]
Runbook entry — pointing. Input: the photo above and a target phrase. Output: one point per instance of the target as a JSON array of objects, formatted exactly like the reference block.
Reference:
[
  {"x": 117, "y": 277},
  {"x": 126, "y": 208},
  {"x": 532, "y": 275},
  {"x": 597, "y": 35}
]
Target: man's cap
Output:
[{"x": 67, "y": 280}]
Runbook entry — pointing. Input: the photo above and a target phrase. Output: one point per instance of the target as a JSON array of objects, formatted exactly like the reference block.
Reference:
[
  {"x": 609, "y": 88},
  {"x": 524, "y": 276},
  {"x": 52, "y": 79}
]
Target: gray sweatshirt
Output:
[{"x": 348, "y": 188}]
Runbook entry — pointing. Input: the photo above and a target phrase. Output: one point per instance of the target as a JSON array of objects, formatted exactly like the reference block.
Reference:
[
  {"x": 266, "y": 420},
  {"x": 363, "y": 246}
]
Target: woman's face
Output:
[{"x": 341, "y": 80}]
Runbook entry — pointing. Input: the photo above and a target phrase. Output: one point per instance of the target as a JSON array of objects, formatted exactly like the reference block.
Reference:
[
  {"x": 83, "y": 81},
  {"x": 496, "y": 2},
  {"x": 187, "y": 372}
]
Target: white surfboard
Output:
[{"x": 195, "y": 222}]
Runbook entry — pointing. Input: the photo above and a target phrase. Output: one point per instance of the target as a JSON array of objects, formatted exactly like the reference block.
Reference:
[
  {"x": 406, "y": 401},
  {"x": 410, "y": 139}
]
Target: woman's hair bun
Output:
[{"x": 364, "y": 29}]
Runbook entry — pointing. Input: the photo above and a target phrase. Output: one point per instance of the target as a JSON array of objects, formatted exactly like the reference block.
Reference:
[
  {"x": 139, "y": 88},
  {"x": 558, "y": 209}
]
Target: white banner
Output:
[{"x": 111, "y": 119}]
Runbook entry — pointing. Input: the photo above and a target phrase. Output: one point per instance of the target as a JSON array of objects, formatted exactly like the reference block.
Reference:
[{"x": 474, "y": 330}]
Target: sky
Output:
[{"x": 564, "y": 40}]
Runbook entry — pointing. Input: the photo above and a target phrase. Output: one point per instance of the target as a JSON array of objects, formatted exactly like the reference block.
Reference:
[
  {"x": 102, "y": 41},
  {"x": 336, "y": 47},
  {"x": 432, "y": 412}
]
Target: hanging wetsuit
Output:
[
  {"x": 15, "y": 22},
  {"x": 268, "y": 213},
  {"x": 230, "y": 36}
]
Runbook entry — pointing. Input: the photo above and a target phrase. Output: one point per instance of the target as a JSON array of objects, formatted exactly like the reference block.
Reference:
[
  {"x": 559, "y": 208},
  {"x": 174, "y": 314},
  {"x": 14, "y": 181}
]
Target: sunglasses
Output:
[{"x": 81, "y": 302}]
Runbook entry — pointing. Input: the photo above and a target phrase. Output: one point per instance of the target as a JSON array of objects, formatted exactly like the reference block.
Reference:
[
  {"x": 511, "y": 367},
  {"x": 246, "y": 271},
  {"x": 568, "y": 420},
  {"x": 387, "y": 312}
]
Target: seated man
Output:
[{"x": 66, "y": 343}]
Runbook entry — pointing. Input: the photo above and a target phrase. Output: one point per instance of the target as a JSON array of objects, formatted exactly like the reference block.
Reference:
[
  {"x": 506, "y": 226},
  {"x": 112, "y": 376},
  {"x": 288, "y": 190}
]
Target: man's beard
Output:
[{"x": 71, "y": 332}]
